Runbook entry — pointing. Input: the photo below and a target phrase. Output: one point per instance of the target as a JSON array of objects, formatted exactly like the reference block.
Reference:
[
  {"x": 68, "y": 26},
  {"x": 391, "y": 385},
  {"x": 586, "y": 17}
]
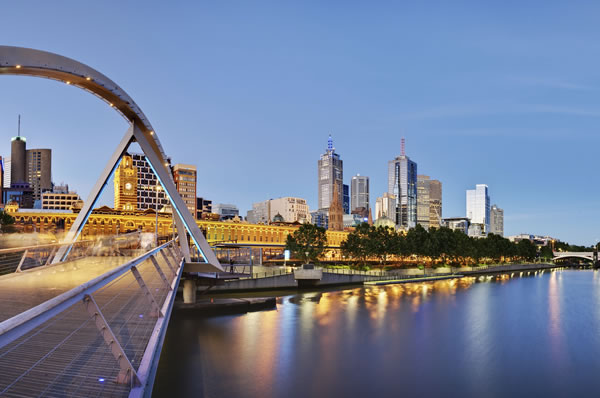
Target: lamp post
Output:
[{"x": 156, "y": 213}]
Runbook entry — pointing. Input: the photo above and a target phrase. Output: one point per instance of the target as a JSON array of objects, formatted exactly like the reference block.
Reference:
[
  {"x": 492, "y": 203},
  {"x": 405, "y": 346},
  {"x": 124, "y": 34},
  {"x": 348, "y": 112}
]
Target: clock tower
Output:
[{"x": 126, "y": 185}]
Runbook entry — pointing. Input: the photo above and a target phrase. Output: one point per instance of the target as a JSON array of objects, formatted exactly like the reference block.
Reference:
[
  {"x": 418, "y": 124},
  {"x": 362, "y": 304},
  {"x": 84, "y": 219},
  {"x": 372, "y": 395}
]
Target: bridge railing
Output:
[
  {"x": 100, "y": 338},
  {"x": 19, "y": 259}
]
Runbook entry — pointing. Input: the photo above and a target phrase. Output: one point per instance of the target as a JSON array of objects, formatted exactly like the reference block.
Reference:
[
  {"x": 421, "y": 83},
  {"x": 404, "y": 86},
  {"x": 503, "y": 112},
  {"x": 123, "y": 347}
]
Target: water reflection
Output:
[{"x": 460, "y": 337}]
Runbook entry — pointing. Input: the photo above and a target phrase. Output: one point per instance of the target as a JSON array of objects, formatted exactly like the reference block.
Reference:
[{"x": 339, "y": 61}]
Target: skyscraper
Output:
[
  {"x": 478, "y": 207},
  {"x": 496, "y": 220},
  {"x": 359, "y": 192},
  {"x": 429, "y": 202},
  {"x": 39, "y": 171},
  {"x": 185, "y": 181},
  {"x": 402, "y": 183},
  {"x": 330, "y": 173}
]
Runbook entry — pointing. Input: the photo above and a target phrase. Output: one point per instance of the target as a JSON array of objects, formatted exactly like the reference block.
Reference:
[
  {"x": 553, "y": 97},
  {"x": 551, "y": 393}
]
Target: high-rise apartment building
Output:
[
  {"x": 185, "y": 181},
  {"x": 148, "y": 185},
  {"x": 429, "y": 202},
  {"x": 402, "y": 183},
  {"x": 330, "y": 174},
  {"x": 385, "y": 206},
  {"x": 496, "y": 220},
  {"x": 39, "y": 171},
  {"x": 126, "y": 185},
  {"x": 478, "y": 207},
  {"x": 359, "y": 192}
]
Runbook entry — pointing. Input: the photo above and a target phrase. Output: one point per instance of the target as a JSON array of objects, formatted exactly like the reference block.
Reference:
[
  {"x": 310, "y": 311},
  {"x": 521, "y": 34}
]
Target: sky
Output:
[{"x": 498, "y": 93}]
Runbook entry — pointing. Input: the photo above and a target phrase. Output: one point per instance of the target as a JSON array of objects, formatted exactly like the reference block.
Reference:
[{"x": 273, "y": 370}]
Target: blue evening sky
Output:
[{"x": 501, "y": 93}]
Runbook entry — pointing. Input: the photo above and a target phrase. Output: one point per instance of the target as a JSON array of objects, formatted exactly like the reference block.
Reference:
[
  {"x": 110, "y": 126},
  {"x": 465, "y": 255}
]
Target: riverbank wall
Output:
[{"x": 286, "y": 280}]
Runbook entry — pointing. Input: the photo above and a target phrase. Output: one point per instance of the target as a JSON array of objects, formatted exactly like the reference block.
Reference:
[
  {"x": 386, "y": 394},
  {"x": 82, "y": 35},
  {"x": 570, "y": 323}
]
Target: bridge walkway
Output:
[{"x": 72, "y": 353}]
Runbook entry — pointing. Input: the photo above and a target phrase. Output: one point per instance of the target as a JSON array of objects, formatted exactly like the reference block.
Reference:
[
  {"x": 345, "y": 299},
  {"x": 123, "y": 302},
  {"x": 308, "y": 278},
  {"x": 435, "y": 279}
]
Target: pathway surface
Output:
[{"x": 67, "y": 356}]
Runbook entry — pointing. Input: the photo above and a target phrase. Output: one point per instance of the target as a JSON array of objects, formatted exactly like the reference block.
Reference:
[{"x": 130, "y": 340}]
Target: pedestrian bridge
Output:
[{"x": 87, "y": 318}]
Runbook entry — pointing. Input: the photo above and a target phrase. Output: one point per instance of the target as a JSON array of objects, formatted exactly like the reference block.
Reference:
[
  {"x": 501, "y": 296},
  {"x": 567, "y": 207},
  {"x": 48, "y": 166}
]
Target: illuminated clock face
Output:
[{"x": 128, "y": 186}]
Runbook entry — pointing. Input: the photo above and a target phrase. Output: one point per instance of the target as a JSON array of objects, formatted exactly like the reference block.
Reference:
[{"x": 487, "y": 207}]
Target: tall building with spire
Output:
[
  {"x": 330, "y": 176},
  {"x": 402, "y": 184},
  {"x": 336, "y": 212}
]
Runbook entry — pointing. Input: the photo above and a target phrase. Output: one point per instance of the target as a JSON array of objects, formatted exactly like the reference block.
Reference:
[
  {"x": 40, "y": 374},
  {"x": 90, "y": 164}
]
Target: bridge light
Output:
[
  {"x": 68, "y": 82},
  {"x": 152, "y": 133},
  {"x": 111, "y": 104},
  {"x": 18, "y": 66},
  {"x": 88, "y": 78}
]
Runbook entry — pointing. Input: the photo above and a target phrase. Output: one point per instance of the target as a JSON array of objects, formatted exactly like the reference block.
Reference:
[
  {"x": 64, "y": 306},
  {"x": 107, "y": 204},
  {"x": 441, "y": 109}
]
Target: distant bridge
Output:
[{"x": 591, "y": 256}]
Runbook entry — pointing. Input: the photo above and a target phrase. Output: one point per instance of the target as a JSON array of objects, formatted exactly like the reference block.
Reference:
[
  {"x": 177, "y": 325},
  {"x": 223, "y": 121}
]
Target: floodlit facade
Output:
[
  {"x": 402, "y": 183},
  {"x": 478, "y": 207},
  {"x": 359, "y": 192},
  {"x": 330, "y": 172},
  {"x": 496, "y": 220}
]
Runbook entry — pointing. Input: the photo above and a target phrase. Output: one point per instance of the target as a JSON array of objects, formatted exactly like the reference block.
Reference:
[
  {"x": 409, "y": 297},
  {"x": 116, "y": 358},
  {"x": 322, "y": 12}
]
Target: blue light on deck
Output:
[
  {"x": 101, "y": 380},
  {"x": 141, "y": 315}
]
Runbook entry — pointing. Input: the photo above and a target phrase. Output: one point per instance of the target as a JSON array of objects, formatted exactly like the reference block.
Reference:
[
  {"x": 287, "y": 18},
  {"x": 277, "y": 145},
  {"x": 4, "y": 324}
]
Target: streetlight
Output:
[{"x": 156, "y": 212}]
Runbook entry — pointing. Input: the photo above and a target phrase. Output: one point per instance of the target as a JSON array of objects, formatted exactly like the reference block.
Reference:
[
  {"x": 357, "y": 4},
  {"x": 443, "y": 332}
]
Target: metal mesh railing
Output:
[
  {"x": 71, "y": 353},
  {"x": 20, "y": 259}
]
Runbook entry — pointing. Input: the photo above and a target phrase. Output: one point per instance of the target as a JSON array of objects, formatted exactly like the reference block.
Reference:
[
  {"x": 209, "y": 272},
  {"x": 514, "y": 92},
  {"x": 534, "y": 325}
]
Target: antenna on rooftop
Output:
[
  {"x": 402, "y": 147},
  {"x": 19, "y": 127}
]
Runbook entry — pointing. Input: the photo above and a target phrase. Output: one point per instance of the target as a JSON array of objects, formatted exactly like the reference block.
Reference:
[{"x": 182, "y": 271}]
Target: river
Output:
[{"x": 520, "y": 336}]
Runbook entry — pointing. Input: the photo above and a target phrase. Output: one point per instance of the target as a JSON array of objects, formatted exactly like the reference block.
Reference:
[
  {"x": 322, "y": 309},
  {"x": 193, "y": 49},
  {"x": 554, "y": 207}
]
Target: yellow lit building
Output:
[{"x": 107, "y": 221}]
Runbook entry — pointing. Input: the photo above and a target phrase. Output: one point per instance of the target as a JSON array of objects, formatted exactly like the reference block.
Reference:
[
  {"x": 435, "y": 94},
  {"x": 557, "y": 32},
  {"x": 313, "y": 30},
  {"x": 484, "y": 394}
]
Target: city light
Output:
[{"x": 18, "y": 66}]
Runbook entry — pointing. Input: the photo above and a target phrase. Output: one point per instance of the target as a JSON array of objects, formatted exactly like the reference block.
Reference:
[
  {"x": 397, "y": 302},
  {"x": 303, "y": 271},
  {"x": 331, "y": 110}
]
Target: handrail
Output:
[
  {"x": 20, "y": 324},
  {"x": 22, "y": 248}
]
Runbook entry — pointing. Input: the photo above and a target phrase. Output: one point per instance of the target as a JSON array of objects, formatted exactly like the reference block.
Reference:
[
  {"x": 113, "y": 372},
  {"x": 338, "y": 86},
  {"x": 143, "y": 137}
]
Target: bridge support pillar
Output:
[{"x": 189, "y": 291}]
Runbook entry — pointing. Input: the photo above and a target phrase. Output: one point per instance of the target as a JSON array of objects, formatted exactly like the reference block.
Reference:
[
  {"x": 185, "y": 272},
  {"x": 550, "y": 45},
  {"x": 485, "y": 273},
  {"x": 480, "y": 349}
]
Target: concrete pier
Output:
[{"x": 189, "y": 291}]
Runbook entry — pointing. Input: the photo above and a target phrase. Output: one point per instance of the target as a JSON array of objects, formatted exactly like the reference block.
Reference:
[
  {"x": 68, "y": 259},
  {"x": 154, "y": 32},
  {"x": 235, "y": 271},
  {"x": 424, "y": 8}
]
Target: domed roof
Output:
[
  {"x": 384, "y": 222},
  {"x": 278, "y": 218}
]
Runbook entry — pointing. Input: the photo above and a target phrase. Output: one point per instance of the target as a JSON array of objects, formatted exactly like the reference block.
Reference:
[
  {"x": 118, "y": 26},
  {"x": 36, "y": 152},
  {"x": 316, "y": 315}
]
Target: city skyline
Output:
[{"x": 505, "y": 134}]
